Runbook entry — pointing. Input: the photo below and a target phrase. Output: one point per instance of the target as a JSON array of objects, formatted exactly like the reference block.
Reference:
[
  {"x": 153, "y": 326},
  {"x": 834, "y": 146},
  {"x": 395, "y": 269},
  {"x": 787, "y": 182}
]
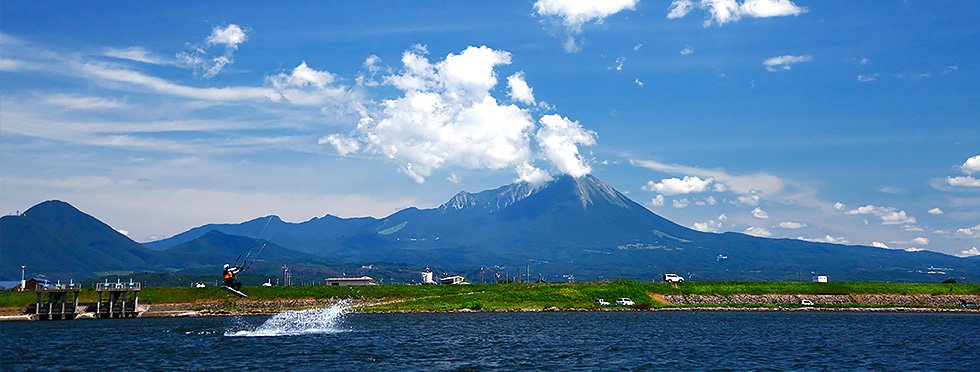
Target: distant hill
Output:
[
  {"x": 580, "y": 227},
  {"x": 55, "y": 238},
  {"x": 62, "y": 242},
  {"x": 209, "y": 252}
]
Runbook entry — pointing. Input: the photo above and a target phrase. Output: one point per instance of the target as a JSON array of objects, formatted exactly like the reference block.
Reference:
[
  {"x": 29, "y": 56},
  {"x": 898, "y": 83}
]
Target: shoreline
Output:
[
  {"x": 219, "y": 313},
  {"x": 540, "y": 297}
]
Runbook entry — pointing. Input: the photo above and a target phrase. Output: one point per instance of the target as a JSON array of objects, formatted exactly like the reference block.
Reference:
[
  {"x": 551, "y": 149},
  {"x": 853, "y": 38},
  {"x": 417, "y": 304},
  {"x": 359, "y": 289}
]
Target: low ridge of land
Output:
[{"x": 545, "y": 296}]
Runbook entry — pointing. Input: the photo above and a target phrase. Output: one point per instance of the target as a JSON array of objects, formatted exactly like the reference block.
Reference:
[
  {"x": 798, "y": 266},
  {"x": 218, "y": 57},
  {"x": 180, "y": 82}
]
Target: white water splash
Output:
[{"x": 299, "y": 322}]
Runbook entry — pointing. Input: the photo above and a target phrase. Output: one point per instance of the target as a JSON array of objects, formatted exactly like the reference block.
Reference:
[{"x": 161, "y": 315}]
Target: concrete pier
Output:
[
  {"x": 56, "y": 301},
  {"x": 117, "y": 300}
]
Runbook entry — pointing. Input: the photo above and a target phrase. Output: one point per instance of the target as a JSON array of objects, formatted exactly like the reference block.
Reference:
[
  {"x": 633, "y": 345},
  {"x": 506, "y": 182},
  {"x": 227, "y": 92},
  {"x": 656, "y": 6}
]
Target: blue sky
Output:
[{"x": 851, "y": 122}]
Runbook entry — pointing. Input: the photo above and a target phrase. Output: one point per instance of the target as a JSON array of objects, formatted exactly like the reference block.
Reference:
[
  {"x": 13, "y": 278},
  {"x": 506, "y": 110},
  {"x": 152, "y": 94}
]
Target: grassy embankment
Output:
[{"x": 517, "y": 296}]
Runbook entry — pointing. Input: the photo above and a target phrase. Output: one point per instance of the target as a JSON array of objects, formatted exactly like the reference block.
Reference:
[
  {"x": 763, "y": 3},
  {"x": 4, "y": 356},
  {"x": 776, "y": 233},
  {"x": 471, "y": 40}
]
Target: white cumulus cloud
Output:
[
  {"x": 826, "y": 239},
  {"x": 784, "y": 63},
  {"x": 680, "y": 203},
  {"x": 969, "y": 231},
  {"x": 519, "y": 90},
  {"x": 969, "y": 252},
  {"x": 935, "y": 211},
  {"x": 576, "y": 13},
  {"x": 559, "y": 138},
  {"x": 707, "y": 226},
  {"x": 231, "y": 36},
  {"x": 879, "y": 245},
  {"x": 677, "y": 186},
  {"x": 920, "y": 241},
  {"x": 792, "y": 225},
  {"x": 759, "y": 213},
  {"x": 657, "y": 201},
  {"x": 888, "y": 215},
  {"x": 963, "y": 181},
  {"x": 573, "y": 14},
  {"x": 725, "y": 11},
  {"x": 758, "y": 231},
  {"x": 971, "y": 165},
  {"x": 344, "y": 145},
  {"x": 447, "y": 116}
]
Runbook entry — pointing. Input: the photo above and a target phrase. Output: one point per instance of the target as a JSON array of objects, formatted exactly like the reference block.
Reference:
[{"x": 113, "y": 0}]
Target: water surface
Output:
[{"x": 327, "y": 339}]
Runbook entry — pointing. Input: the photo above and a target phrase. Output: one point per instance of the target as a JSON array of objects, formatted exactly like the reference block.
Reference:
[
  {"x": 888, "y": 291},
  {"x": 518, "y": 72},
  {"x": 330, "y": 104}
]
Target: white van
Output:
[{"x": 673, "y": 278}]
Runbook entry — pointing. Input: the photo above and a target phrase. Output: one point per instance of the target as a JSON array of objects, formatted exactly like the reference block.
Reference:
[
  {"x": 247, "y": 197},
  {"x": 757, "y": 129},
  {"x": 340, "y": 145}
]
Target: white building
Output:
[
  {"x": 819, "y": 278},
  {"x": 364, "y": 280},
  {"x": 455, "y": 279},
  {"x": 427, "y": 277}
]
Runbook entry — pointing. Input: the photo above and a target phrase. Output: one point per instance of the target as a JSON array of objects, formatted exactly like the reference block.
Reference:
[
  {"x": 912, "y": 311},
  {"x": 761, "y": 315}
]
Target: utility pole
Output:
[{"x": 23, "y": 282}]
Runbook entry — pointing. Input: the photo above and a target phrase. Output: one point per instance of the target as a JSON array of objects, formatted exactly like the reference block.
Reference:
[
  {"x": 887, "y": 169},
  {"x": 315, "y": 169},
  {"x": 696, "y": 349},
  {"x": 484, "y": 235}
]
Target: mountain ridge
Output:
[{"x": 574, "y": 225}]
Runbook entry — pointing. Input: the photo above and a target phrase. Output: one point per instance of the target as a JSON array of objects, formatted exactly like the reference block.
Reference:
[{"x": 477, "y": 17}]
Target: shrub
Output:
[{"x": 646, "y": 305}]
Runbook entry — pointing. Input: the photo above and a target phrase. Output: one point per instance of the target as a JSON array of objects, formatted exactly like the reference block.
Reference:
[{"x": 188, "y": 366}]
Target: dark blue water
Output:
[{"x": 514, "y": 341}]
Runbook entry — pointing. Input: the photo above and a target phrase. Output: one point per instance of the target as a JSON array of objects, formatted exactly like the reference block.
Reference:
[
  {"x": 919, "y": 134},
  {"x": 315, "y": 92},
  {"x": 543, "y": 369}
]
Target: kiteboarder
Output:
[{"x": 229, "y": 277}]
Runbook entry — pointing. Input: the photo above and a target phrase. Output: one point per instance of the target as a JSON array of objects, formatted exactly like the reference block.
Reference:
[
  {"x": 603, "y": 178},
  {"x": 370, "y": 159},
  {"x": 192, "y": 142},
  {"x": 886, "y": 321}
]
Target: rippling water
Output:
[{"x": 328, "y": 339}]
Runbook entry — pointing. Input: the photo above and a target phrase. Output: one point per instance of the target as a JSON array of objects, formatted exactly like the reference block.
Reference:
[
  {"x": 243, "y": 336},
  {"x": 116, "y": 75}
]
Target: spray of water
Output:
[{"x": 299, "y": 322}]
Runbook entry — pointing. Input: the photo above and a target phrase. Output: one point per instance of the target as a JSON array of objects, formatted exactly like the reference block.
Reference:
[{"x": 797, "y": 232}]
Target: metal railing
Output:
[
  {"x": 58, "y": 287},
  {"x": 114, "y": 287}
]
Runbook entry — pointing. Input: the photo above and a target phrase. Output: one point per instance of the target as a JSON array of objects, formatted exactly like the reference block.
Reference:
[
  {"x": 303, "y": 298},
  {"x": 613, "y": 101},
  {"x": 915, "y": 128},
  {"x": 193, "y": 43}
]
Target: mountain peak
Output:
[
  {"x": 490, "y": 200},
  {"x": 50, "y": 207},
  {"x": 587, "y": 190},
  {"x": 589, "y": 187}
]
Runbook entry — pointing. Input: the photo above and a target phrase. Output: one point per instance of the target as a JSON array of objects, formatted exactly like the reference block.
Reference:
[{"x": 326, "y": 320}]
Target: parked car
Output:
[
  {"x": 673, "y": 278},
  {"x": 806, "y": 302},
  {"x": 602, "y": 302},
  {"x": 625, "y": 301}
]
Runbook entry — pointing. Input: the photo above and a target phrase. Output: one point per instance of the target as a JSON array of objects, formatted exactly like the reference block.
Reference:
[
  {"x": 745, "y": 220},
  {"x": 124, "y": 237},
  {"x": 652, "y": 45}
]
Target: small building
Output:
[
  {"x": 32, "y": 284},
  {"x": 455, "y": 279},
  {"x": 819, "y": 278},
  {"x": 364, "y": 280},
  {"x": 427, "y": 277}
]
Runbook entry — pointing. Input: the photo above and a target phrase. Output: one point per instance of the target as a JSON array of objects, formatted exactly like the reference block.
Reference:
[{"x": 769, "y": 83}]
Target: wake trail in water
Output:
[{"x": 299, "y": 322}]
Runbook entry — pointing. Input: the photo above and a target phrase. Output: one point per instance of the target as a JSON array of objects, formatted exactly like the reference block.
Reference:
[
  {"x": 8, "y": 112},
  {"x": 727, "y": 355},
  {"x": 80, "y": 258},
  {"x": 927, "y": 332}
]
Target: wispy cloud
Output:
[
  {"x": 204, "y": 60},
  {"x": 79, "y": 102},
  {"x": 784, "y": 63},
  {"x": 760, "y": 183},
  {"x": 867, "y": 78},
  {"x": 136, "y": 78},
  {"x": 138, "y": 54}
]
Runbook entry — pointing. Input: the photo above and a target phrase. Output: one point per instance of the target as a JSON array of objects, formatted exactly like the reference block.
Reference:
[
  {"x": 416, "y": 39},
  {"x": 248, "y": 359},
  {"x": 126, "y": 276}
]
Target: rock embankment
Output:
[{"x": 893, "y": 300}]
